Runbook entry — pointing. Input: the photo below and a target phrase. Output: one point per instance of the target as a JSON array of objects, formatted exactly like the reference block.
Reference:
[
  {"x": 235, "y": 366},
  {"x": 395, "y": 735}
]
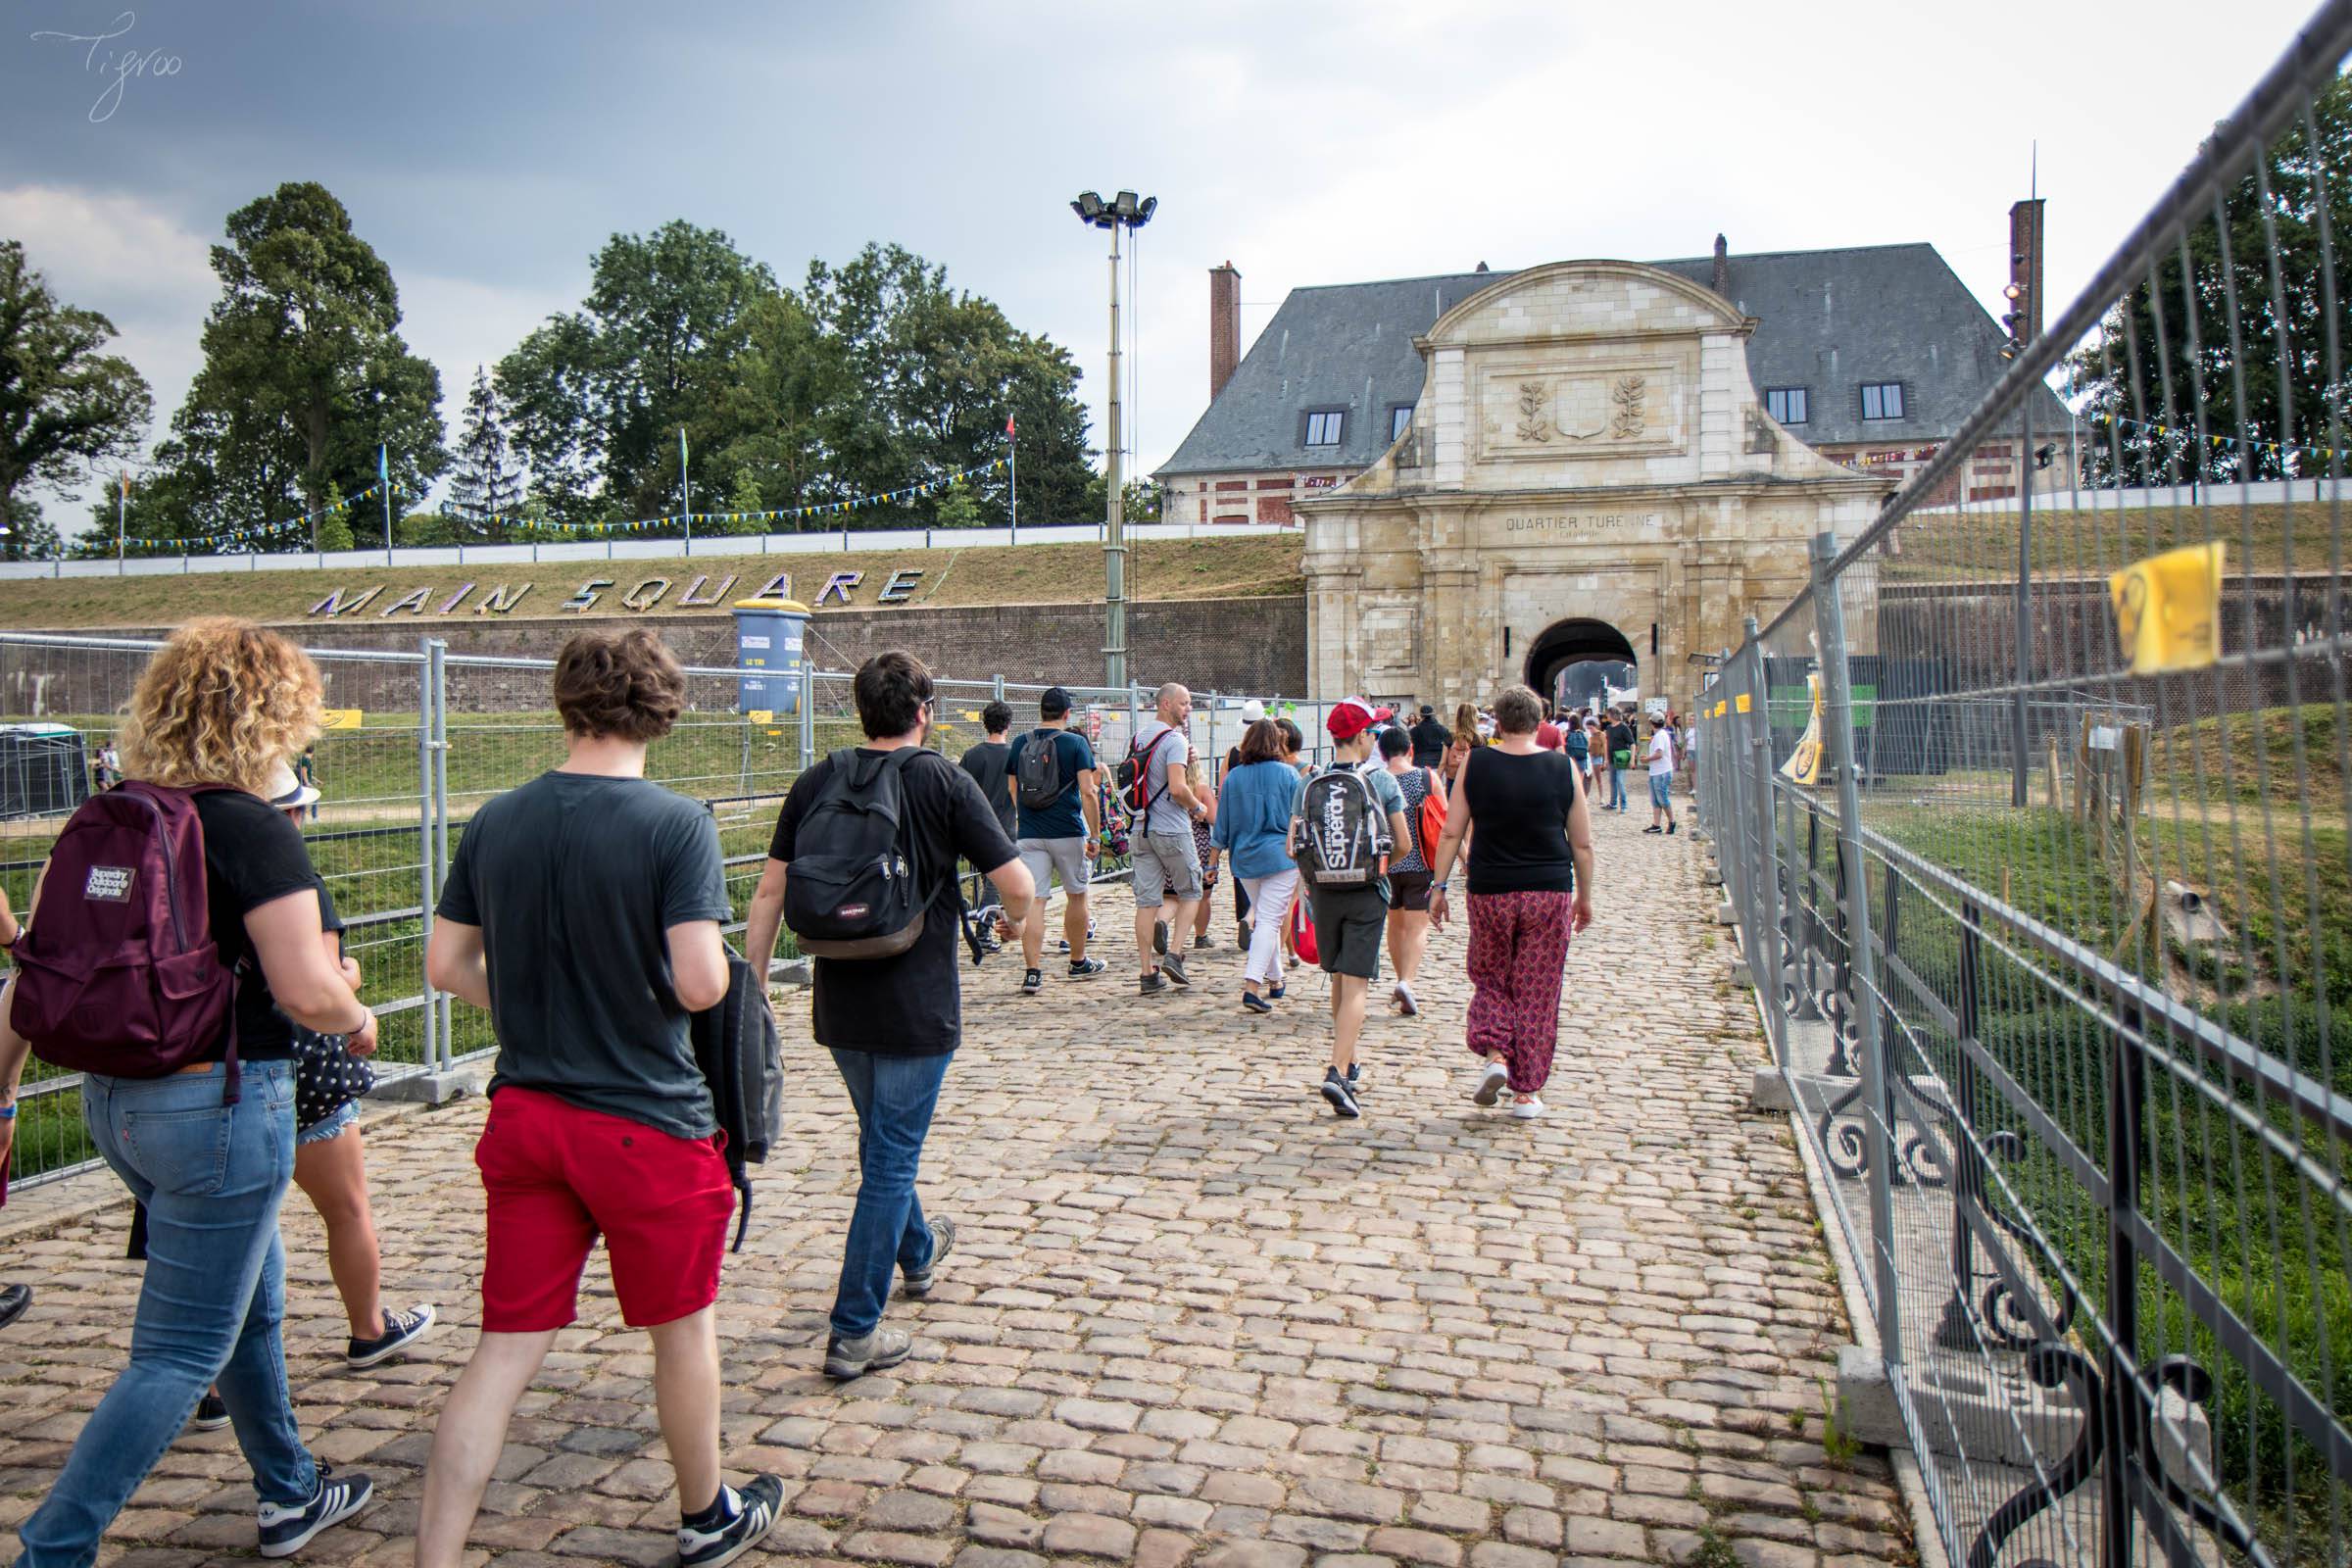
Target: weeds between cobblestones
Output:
[{"x": 1192, "y": 1319}]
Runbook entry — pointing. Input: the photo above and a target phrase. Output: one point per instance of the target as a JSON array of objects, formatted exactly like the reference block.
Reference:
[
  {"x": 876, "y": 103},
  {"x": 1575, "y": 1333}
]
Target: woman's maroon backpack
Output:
[{"x": 118, "y": 973}]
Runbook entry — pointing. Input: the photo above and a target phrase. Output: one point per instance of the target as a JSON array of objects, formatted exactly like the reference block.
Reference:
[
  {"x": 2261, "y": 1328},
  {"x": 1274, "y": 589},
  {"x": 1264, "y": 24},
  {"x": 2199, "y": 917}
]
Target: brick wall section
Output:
[{"x": 1227, "y": 645}]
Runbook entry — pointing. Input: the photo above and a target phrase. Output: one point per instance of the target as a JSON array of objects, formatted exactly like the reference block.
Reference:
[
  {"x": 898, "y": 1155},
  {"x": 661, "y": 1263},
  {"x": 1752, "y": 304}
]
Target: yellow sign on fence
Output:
[
  {"x": 1742, "y": 702},
  {"x": 762, "y": 715},
  {"x": 2168, "y": 609},
  {"x": 1804, "y": 764},
  {"x": 339, "y": 719}
]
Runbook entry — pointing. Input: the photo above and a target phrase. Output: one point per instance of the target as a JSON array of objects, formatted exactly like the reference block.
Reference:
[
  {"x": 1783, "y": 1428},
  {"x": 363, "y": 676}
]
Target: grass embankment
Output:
[
  {"x": 2253, "y": 1224},
  {"x": 1243, "y": 567},
  {"x": 1980, "y": 545}
]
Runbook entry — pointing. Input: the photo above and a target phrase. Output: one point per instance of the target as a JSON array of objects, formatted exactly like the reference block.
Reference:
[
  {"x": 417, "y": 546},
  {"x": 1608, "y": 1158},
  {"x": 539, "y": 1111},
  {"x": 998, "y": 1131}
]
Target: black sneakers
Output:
[
  {"x": 211, "y": 1413},
  {"x": 1031, "y": 982},
  {"x": 1160, "y": 936},
  {"x": 1341, "y": 1094},
  {"x": 942, "y": 1242},
  {"x": 854, "y": 1359},
  {"x": 13, "y": 1299},
  {"x": 286, "y": 1531},
  {"x": 756, "y": 1506},
  {"x": 1201, "y": 942},
  {"x": 401, "y": 1330},
  {"x": 1173, "y": 967},
  {"x": 1086, "y": 968},
  {"x": 1154, "y": 984}
]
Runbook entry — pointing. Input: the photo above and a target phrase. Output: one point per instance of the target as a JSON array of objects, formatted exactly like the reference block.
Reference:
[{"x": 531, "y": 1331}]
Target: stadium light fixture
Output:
[{"x": 1126, "y": 211}]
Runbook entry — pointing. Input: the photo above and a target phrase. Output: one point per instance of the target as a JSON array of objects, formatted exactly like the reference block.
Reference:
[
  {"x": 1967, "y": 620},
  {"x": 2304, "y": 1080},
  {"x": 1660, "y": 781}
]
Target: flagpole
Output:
[
  {"x": 383, "y": 483},
  {"x": 1013, "y": 459},
  {"x": 121, "y": 506},
  {"x": 685, "y": 490}
]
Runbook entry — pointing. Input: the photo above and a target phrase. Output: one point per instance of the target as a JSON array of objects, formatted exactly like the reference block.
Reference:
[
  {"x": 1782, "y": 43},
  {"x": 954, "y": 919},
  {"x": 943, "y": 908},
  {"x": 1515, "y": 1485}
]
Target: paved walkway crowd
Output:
[{"x": 1192, "y": 1318}]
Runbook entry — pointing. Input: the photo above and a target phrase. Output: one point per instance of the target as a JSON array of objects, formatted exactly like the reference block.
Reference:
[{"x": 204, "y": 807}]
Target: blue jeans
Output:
[
  {"x": 895, "y": 1096},
  {"x": 211, "y": 1176},
  {"x": 1617, "y": 789}
]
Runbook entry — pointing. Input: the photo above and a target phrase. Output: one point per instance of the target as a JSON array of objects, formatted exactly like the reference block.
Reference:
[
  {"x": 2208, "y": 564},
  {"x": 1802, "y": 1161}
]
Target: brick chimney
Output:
[
  {"x": 1723, "y": 266},
  {"x": 1224, "y": 326},
  {"x": 2025, "y": 267}
]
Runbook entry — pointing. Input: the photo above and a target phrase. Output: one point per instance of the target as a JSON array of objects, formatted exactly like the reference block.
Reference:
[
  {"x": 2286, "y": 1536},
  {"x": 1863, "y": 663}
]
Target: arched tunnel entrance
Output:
[{"x": 1571, "y": 661}]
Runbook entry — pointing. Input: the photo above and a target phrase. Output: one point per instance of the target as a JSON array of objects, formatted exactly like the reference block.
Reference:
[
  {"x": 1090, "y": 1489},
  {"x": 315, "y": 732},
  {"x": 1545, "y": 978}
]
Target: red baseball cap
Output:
[{"x": 1350, "y": 717}]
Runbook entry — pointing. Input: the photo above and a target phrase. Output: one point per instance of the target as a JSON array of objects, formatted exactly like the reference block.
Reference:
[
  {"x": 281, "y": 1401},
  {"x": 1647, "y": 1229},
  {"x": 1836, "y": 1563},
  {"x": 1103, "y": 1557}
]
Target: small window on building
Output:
[
  {"x": 1323, "y": 428},
  {"x": 1882, "y": 400},
  {"x": 1785, "y": 403},
  {"x": 1401, "y": 419}
]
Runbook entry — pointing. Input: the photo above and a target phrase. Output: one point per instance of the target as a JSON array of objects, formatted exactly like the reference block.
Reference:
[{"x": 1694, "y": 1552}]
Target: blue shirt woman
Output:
[{"x": 1253, "y": 817}]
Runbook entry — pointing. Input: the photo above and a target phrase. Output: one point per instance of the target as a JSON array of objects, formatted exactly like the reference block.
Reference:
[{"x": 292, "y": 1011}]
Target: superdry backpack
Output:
[
  {"x": 736, "y": 1048},
  {"x": 1041, "y": 780},
  {"x": 1343, "y": 834},
  {"x": 853, "y": 892},
  {"x": 119, "y": 974}
]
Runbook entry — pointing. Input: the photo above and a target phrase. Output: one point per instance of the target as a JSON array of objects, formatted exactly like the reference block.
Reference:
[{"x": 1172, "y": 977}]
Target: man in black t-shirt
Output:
[
  {"x": 893, "y": 1023},
  {"x": 1430, "y": 739},
  {"x": 1620, "y": 736},
  {"x": 988, "y": 764},
  {"x": 583, "y": 910}
]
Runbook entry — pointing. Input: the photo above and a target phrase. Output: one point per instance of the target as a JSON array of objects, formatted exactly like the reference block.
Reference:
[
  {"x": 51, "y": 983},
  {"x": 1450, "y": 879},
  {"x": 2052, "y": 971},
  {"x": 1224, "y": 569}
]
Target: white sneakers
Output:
[
  {"x": 1494, "y": 1082},
  {"x": 1406, "y": 1002}
]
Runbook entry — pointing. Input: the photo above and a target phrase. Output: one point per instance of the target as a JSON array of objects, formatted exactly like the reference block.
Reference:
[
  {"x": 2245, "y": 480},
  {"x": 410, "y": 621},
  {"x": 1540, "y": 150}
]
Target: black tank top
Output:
[{"x": 1519, "y": 822}]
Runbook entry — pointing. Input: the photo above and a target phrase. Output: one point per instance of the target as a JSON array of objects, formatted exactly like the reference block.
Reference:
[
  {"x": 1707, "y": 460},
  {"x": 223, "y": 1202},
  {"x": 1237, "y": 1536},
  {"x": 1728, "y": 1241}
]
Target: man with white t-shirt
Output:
[{"x": 1661, "y": 775}]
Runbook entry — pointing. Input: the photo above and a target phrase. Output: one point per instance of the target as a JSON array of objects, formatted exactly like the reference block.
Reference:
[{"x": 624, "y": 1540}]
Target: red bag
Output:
[
  {"x": 1433, "y": 818},
  {"x": 119, "y": 973},
  {"x": 1302, "y": 932}
]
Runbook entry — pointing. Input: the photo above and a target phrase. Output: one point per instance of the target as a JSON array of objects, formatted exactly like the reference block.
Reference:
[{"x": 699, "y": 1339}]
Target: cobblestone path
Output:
[{"x": 1192, "y": 1318}]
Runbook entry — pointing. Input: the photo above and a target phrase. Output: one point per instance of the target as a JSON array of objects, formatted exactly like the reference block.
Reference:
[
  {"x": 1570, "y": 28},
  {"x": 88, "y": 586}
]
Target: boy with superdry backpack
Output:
[
  {"x": 862, "y": 869},
  {"x": 1350, "y": 824},
  {"x": 582, "y": 910}
]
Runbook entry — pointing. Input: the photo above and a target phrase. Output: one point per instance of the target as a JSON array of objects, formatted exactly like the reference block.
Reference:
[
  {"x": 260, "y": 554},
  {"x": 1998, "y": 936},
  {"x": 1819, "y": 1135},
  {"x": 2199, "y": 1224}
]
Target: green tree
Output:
[
  {"x": 2161, "y": 409},
  {"x": 64, "y": 405},
  {"x": 599, "y": 394},
  {"x": 485, "y": 482},
  {"x": 957, "y": 508},
  {"x": 28, "y": 535},
  {"x": 305, "y": 374}
]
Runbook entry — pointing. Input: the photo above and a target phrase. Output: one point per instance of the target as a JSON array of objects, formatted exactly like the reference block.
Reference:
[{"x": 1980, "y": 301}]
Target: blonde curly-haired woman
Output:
[{"x": 220, "y": 708}]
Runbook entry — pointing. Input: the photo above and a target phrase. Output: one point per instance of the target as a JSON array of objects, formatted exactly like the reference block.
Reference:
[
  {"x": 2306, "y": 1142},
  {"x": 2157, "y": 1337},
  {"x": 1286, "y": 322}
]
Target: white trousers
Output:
[{"x": 1269, "y": 906}]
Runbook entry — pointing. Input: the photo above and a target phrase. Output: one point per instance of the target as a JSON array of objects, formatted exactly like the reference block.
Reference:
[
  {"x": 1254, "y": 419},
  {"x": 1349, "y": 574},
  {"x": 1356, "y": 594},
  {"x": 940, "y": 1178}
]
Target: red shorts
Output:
[{"x": 557, "y": 1175}]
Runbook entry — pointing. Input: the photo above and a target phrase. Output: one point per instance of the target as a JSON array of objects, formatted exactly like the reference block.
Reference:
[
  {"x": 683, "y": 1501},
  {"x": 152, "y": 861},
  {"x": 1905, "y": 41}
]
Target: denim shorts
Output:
[
  {"x": 1660, "y": 784},
  {"x": 331, "y": 1125}
]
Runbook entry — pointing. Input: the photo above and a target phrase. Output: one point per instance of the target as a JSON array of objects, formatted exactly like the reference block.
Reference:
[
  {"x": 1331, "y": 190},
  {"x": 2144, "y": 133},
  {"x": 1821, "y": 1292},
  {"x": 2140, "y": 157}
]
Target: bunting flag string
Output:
[
  {"x": 261, "y": 530},
  {"x": 821, "y": 508},
  {"x": 2171, "y": 432}
]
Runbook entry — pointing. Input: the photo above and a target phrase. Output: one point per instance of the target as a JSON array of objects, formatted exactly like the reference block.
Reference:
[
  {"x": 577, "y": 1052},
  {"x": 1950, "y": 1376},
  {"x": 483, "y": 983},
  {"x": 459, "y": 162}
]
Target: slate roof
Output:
[{"x": 1829, "y": 320}]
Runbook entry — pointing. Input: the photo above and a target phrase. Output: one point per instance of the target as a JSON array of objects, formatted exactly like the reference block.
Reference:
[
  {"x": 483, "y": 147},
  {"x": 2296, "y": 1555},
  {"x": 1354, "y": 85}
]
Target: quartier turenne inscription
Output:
[
  {"x": 898, "y": 587},
  {"x": 1578, "y": 522}
]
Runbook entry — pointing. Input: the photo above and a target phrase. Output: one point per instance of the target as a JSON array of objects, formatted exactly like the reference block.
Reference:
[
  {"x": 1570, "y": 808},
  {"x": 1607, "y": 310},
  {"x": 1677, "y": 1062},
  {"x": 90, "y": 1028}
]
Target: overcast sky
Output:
[{"x": 487, "y": 149}]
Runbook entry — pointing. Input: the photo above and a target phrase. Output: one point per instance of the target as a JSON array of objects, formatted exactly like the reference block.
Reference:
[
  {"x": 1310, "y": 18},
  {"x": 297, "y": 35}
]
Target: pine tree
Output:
[{"x": 487, "y": 482}]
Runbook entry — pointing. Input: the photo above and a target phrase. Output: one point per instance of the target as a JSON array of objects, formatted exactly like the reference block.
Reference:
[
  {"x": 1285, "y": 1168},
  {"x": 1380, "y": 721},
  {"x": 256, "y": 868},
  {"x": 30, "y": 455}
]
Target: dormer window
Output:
[{"x": 1323, "y": 426}]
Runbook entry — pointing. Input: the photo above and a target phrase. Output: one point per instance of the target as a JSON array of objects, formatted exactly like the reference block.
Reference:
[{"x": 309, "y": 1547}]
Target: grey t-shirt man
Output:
[
  {"x": 575, "y": 880},
  {"x": 1168, "y": 814}
]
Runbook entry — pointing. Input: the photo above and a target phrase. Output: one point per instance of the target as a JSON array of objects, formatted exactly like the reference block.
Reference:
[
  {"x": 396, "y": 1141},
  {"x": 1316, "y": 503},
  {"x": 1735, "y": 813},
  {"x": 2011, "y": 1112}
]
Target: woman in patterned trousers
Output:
[{"x": 1531, "y": 885}]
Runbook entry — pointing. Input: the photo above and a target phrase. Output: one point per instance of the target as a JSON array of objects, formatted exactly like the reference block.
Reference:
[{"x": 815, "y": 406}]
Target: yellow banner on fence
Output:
[
  {"x": 762, "y": 715},
  {"x": 2168, "y": 609},
  {"x": 339, "y": 719},
  {"x": 1742, "y": 702},
  {"x": 1804, "y": 764}
]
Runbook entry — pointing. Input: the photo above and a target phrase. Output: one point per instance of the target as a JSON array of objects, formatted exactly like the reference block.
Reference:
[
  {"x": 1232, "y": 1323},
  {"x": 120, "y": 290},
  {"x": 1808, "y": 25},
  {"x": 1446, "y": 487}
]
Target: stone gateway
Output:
[{"x": 1589, "y": 474}]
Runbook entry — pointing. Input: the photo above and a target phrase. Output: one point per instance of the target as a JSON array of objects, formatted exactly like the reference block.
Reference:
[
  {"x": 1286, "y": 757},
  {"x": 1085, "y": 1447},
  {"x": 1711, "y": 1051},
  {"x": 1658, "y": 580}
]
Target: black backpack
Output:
[
  {"x": 1343, "y": 836},
  {"x": 854, "y": 892},
  {"x": 1041, "y": 780},
  {"x": 735, "y": 1045}
]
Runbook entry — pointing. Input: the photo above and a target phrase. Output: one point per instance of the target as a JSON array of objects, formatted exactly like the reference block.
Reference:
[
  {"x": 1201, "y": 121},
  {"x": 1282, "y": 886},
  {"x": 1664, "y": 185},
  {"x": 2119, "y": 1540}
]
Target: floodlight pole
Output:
[{"x": 1115, "y": 546}]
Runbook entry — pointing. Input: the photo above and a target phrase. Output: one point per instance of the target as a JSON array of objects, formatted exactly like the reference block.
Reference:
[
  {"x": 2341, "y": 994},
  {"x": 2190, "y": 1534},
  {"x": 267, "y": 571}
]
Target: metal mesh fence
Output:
[
  {"x": 2034, "y": 819},
  {"x": 423, "y": 738}
]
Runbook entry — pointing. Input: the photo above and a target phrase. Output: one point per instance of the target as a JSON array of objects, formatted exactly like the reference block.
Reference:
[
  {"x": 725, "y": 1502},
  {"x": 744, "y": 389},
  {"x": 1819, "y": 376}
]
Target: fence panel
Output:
[{"x": 2067, "y": 839}]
